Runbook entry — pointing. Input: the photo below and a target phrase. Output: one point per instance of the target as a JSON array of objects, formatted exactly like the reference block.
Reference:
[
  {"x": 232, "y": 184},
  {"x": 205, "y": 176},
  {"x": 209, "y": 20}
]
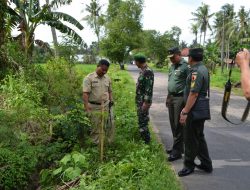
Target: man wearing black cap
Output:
[
  {"x": 197, "y": 87},
  {"x": 175, "y": 101},
  {"x": 144, "y": 94}
]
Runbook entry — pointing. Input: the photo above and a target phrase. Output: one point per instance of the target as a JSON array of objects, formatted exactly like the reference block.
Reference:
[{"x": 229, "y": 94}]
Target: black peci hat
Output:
[
  {"x": 196, "y": 52},
  {"x": 172, "y": 51}
]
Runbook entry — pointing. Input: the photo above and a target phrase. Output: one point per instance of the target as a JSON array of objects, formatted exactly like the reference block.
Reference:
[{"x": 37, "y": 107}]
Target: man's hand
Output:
[
  {"x": 168, "y": 101},
  {"x": 145, "y": 106},
  {"x": 243, "y": 58},
  {"x": 111, "y": 103},
  {"x": 183, "y": 117},
  {"x": 87, "y": 109}
]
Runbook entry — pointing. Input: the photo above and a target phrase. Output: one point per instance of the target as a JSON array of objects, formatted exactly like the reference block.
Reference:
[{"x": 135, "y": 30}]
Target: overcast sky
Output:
[{"x": 160, "y": 15}]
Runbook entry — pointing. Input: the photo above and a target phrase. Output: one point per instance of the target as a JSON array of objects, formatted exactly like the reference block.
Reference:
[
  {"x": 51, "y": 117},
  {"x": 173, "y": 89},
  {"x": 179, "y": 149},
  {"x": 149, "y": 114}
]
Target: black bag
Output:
[{"x": 201, "y": 109}]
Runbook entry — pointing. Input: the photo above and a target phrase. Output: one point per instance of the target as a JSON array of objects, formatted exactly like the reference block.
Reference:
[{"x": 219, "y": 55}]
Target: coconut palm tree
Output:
[
  {"x": 202, "y": 17},
  {"x": 54, "y": 36},
  {"x": 195, "y": 30},
  {"x": 30, "y": 15},
  {"x": 244, "y": 24},
  {"x": 95, "y": 20}
]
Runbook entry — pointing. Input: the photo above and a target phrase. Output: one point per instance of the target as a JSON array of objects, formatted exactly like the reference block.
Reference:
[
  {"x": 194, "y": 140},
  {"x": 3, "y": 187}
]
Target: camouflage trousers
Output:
[
  {"x": 143, "y": 119},
  {"x": 95, "y": 118}
]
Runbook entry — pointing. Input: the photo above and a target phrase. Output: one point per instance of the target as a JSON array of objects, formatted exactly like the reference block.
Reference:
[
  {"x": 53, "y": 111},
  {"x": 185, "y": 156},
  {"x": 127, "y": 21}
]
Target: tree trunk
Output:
[
  {"x": 3, "y": 8},
  {"x": 55, "y": 41},
  {"x": 122, "y": 67},
  {"x": 54, "y": 36},
  {"x": 3, "y": 56},
  {"x": 204, "y": 39},
  {"x": 200, "y": 37}
]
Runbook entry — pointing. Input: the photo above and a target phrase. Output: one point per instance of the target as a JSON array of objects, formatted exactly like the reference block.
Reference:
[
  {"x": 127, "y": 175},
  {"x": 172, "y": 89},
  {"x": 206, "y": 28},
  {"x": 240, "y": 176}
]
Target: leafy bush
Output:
[
  {"x": 21, "y": 107},
  {"x": 16, "y": 167},
  {"x": 71, "y": 126},
  {"x": 63, "y": 85}
]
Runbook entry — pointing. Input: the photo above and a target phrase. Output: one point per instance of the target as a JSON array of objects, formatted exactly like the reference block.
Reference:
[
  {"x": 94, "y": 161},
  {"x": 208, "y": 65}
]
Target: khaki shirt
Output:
[{"x": 97, "y": 87}]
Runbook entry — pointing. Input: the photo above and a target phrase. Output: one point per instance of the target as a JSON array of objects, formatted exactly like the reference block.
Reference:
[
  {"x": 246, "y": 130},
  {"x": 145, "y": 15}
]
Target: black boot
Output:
[{"x": 145, "y": 135}]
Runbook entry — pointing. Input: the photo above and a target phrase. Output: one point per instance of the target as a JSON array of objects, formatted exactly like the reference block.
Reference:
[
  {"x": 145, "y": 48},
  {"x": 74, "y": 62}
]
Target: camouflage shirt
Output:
[{"x": 144, "y": 86}]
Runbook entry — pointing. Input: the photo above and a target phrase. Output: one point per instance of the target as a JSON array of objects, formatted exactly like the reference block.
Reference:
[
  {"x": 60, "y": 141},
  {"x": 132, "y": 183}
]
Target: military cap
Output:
[
  {"x": 196, "y": 52},
  {"x": 172, "y": 51},
  {"x": 140, "y": 58}
]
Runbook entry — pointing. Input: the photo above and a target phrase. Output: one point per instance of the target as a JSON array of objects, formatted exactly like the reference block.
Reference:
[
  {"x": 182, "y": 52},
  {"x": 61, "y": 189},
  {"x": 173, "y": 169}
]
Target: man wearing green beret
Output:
[
  {"x": 144, "y": 94},
  {"x": 178, "y": 73},
  {"x": 197, "y": 87}
]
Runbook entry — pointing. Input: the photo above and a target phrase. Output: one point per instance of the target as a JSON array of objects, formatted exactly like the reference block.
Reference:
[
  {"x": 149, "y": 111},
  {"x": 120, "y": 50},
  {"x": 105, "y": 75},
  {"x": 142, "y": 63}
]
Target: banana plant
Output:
[{"x": 29, "y": 14}]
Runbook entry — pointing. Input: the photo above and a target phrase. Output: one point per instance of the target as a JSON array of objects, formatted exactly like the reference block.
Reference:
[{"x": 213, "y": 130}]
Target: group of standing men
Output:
[{"x": 186, "y": 84}]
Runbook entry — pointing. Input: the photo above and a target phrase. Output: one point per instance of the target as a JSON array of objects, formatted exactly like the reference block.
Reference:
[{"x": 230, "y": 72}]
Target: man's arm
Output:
[
  {"x": 190, "y": 103},
  {"x": 149, "y": 84},
  {"x": 86, "y": 101},
  {"x": 242, "y": 59},
  {"x": 86, "y": 92}
]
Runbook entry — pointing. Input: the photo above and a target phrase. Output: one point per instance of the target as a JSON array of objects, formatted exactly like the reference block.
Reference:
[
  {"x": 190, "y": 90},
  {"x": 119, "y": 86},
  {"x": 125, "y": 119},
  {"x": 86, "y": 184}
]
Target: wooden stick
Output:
[{"x": 101, "y": 133}]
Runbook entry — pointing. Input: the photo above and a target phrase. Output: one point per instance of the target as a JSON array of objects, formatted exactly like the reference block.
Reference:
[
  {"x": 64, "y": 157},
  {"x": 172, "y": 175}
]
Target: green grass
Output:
[
  {"x": 218, "y": 80},
  {"x": 129, "y": 163}
]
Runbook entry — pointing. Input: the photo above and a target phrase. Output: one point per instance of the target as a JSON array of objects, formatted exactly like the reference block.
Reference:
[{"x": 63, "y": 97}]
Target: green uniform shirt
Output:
[
  {"x": 197, "y": 80},
  {"x": 144, "y": 86},
  {"x": 177, "y": 77}
]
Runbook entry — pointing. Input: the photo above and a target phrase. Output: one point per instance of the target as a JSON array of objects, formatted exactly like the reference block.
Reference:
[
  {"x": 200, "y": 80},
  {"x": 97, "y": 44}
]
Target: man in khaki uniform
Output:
[{"x": 98, "y": 101}]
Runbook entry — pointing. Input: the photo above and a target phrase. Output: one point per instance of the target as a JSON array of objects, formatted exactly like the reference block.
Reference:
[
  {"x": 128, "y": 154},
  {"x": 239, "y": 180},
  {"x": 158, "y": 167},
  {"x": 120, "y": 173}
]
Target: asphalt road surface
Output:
[{"x": 229, "y": 145}]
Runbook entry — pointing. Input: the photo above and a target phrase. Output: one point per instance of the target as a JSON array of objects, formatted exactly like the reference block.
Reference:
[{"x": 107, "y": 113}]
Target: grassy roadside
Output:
[{"x": 130, "y": 164}]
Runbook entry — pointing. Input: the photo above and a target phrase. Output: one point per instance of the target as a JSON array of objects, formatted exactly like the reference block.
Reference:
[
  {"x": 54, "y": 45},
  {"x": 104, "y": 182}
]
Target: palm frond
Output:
[
  {"x": 57, "y": 3},
  {"x": 65, "y": 30},
  {"x": 67, "y": 18},
  {"x": 13, "y": 18}
]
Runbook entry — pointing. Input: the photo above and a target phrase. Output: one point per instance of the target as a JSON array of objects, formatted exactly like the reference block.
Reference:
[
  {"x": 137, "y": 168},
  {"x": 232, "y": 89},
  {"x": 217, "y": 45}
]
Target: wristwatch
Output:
[{"x": 184, "y": 113}]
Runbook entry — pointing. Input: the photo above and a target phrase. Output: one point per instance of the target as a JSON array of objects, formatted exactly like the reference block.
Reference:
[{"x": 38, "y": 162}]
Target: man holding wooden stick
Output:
[{"x": 98, "y": 101}]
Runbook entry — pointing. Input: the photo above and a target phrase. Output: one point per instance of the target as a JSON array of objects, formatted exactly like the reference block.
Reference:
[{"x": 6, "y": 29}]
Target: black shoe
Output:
[
  {"x": 172, "y": 157},
  {"x": 204, "y": 168},
  {"x": 185, "y": 172},
  {"x": 169, "y": 151},
  {"x": 145, "y": 135}
]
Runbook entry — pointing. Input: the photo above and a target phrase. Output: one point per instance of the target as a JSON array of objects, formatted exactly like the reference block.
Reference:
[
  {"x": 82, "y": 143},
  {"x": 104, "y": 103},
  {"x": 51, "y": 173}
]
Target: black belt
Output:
[
  {"x": 177, "y": 95},
  {"x": 96, "y": 103}
]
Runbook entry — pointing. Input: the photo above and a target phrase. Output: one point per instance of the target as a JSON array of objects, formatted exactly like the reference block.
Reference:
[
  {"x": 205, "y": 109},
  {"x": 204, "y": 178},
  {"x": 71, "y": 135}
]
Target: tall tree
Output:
[
  {"x": 195, "y": 31},
  {"x": 202, "y": 16},
  {"x": 244, "y": 23},
  {"x": 225, "y": 29},
  {"x": 95, "y": 20},
  {"x": 123, "y": 27},
  {"x": 54, "y": 36},
  {"x": 31, "y": 14}
]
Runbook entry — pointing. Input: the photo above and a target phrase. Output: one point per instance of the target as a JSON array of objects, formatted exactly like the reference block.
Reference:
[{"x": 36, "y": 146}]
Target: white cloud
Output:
[{"x": 160, "y": 15}]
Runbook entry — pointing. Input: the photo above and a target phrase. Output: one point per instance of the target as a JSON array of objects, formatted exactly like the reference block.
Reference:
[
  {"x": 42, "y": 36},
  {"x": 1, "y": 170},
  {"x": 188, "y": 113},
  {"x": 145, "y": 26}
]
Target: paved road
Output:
[{"x": 229, "y": 145}]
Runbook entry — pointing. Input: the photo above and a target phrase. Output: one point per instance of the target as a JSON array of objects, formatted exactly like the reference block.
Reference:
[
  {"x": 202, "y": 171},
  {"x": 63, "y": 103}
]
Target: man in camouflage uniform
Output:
[
  {"x": 194, "y": 139},
  {"x": 97, "y": 96},
  {"x": 144, "y": 93},
  {"x": 178, "y": 73}
]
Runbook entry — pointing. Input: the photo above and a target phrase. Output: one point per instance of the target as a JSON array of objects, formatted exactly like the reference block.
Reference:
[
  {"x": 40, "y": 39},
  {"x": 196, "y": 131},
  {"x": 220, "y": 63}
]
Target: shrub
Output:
[
  {"x": 62, "y": 84},
  {"x": 16, "y": 167}
]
